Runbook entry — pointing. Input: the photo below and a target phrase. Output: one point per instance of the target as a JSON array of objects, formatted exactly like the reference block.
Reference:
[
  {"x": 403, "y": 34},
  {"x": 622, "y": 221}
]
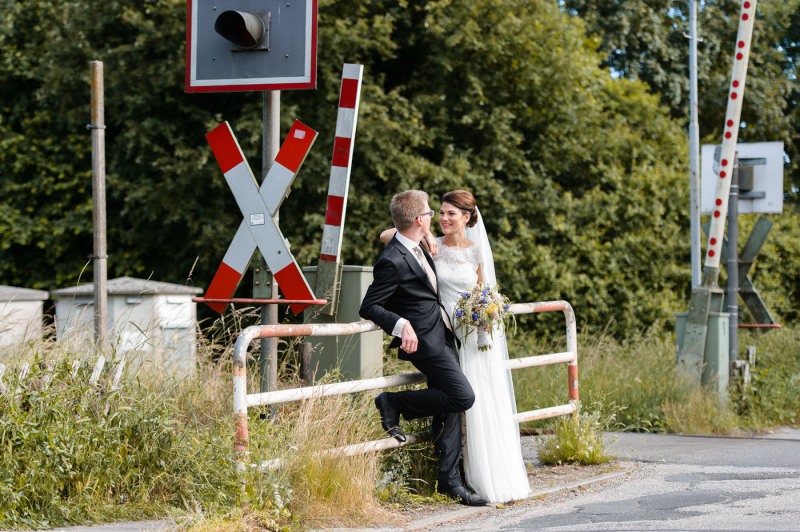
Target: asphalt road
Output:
[{"x": 670, "y": 482}]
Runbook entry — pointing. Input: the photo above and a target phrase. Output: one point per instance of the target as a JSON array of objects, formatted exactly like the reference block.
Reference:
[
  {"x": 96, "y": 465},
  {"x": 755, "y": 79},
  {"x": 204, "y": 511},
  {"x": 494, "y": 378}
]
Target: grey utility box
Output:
[
  {"x": 156, "y": 321},
  {"x": 716, "y": 357},
  {"x": 21, "y": 314},
  {"x": 358, "y": 356}
]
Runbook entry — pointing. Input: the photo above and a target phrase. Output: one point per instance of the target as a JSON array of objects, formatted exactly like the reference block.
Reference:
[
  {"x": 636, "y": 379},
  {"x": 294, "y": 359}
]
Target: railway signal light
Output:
[{"x": 248, "y": 31}]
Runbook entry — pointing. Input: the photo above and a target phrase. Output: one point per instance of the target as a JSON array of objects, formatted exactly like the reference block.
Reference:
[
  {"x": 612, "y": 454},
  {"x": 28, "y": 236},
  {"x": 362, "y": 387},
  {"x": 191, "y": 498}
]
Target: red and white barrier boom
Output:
[
  {"x": 709, "y": 297},
  {"x": 330, "y": 267},
  {"x": 258, "y": 206}
]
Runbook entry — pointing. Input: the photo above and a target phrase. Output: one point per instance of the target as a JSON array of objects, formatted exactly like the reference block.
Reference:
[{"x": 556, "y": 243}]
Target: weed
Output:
[
  {"x": 74, "y": 453},
  {"x": 578, "y": 439}
]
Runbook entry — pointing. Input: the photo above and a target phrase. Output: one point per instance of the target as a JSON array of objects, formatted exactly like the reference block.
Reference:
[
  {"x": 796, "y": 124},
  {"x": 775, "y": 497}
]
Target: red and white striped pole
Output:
[
  {"x": 730, "y": 135},
  {"x": 328, "y": 270},
  {"x": 258, "y": 206},
  {"x": 708, "y": 297}
]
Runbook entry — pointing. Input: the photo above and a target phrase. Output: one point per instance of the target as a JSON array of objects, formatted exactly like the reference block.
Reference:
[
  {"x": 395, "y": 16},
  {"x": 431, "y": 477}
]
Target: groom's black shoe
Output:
[
  {"x": 390, "y": 418},
  {"x": 462, "y": 495}
]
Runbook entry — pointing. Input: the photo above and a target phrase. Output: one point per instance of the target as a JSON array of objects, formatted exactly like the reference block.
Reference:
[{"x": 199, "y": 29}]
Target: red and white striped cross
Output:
[{"x": 258, "y": 206}]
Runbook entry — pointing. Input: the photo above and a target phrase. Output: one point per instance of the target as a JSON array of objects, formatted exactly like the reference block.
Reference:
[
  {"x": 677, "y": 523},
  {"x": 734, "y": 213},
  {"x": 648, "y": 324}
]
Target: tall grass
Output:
[
  {"x": 71, "y": 453},
  {"x": 161, "y": 445},
  {"x": 578, "y": 440},
  {"x": 635, "y": 383},
  {"x": 333, "y": 490},
  {"x": 772, "y": 397}
]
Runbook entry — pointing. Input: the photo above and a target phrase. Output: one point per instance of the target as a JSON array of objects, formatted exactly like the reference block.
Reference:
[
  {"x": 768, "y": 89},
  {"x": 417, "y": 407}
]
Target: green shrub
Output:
[
  {"x": 578, "y": 439},
  {"x": 71, "y": 452}
]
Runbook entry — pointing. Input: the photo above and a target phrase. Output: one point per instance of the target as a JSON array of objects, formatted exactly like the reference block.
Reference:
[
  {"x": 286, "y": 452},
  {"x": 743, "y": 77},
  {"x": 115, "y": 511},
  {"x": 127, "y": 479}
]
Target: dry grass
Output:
[
  {"x": 703, "y": 412},
  {"x": 331, "y": 491}
]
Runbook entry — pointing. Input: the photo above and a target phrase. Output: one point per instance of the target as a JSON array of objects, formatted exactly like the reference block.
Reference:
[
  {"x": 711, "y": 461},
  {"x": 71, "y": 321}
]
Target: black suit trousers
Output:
[{"x": 448, "y": 395}]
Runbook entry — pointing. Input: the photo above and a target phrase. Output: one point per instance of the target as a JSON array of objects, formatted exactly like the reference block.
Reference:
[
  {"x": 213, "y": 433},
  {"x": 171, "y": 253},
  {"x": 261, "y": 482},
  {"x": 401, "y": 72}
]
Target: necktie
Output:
[
  {"x": 427, "y": 267},
  {"x": 432, "y": 278}
]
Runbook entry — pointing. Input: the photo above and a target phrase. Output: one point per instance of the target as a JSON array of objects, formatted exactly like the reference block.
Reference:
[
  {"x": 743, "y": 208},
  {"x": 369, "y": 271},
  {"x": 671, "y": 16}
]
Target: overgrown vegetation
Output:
[
  {"x": 634, "y": 383},
  {"x": 73, "y": 453}
]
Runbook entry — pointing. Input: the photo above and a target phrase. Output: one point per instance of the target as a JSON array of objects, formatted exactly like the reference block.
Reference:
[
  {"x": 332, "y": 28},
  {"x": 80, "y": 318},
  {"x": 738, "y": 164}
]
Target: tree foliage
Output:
[
  {"x": 648, "y": 40},
  {"x": 578, "y": 172}
]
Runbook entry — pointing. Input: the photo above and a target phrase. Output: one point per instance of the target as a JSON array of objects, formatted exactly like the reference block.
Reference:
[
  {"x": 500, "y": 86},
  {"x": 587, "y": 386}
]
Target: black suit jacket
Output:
[{"x": 400, "y": 288}]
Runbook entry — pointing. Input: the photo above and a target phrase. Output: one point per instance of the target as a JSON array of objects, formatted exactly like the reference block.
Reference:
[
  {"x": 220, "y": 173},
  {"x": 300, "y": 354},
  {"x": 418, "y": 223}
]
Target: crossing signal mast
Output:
[
  {"x": 709, "y": 297},
  {"x": 255, "y": 45}
]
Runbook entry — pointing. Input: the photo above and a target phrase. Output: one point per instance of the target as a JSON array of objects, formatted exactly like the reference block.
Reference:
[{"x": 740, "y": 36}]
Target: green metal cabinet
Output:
[{"x": 716, "y": 364}]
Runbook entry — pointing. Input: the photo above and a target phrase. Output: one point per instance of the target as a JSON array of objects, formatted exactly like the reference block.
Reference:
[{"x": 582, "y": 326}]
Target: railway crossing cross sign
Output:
[{"x": 258, "y": 206}]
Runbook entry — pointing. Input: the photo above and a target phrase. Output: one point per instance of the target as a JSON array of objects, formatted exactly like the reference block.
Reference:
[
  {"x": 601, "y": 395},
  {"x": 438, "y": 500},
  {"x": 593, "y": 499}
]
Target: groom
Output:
[{"x": 404, "y": 301}]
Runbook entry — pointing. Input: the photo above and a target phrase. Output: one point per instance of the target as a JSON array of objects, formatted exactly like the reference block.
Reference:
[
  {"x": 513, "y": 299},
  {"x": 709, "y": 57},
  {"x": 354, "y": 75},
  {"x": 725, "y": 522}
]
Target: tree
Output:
[
  {"x": 577, "y": 170},
  {"x": 648, "y": 41}
]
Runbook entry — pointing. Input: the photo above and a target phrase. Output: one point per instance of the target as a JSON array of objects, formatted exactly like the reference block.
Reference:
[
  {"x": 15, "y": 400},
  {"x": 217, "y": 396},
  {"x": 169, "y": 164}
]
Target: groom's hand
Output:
[{"x": 408, "y": 339}]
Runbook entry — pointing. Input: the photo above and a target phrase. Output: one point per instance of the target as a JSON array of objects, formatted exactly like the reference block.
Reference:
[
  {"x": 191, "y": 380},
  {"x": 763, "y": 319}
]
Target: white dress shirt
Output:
[{"x": 410, "y": 245}]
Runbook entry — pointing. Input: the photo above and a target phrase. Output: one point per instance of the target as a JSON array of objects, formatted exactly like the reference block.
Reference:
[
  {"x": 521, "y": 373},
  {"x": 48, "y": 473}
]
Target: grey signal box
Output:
[{"x": 251, "y": 45}]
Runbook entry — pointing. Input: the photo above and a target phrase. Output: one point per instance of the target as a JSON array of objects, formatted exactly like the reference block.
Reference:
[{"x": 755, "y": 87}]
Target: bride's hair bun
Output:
[{"x": 465, "y": 201}]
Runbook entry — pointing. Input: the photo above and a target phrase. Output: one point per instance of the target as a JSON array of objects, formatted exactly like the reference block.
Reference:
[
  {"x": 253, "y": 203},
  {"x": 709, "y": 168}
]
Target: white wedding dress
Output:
[{"x": 492, "y": 456}]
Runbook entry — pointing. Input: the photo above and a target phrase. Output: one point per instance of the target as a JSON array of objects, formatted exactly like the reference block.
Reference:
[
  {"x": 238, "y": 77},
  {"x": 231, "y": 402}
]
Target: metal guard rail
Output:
[{"x": 242, "y": 400}]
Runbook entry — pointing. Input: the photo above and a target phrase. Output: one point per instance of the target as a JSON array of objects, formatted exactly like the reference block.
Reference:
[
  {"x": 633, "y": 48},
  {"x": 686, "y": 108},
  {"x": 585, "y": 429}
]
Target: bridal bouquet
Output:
[{"x": 483, "y": 308}]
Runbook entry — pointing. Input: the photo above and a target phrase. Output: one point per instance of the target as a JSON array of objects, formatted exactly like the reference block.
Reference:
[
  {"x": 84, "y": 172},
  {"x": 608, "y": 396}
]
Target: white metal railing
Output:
[{"x": 242, "y": 400}]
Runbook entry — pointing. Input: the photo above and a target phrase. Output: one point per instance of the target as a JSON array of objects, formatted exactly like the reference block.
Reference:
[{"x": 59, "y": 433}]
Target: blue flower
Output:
[
  {"x": 507, "y": 306},
  {"x": 483, "y": 300},
  {"x": 459, "y": 313},
  {"x": 474, "y": 317}
]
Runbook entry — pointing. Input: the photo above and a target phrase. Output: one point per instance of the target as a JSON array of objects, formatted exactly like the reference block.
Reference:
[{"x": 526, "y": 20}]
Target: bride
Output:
[{"x": 463, "y": 257}]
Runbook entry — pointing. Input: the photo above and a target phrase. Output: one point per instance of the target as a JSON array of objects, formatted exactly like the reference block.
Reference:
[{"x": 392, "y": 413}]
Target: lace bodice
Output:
[{"x": 457, "y": 271}]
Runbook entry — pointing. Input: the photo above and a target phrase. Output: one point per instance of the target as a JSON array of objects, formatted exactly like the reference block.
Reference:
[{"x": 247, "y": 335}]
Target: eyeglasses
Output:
[{"x": 428, "y": 213}]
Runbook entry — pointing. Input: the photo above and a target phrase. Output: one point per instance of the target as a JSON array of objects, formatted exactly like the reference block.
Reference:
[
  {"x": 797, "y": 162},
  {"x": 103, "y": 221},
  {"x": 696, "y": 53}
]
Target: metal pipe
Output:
[
  {"x": 241, "y": 400},
  {"x": 100, "y": 255},
  {"x": 357, "y": 448},
  {"x": 540, "y": 360},
  {"x": 733, "y": 264},
  {"x": 259, "y": 301},
  {"x": 268, "y": 362},
  {"x": 546, "y": 413},
  {"x": 694, "y": 149},
  {"x": 338, "y": 388}
]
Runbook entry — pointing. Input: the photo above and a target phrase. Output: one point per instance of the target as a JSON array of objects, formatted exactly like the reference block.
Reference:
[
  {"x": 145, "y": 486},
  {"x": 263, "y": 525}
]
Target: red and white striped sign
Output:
[
  {"x": 341, "y": 163},
  {"x": 744, "y": 40},
  {"x": 258, "y": 206},
  {"x": 336, "y": 206}
]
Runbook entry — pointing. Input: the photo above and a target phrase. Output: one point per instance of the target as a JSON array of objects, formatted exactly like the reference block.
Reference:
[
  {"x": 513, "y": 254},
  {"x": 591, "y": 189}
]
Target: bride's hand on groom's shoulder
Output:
[{"x": 430, "y": 244}]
